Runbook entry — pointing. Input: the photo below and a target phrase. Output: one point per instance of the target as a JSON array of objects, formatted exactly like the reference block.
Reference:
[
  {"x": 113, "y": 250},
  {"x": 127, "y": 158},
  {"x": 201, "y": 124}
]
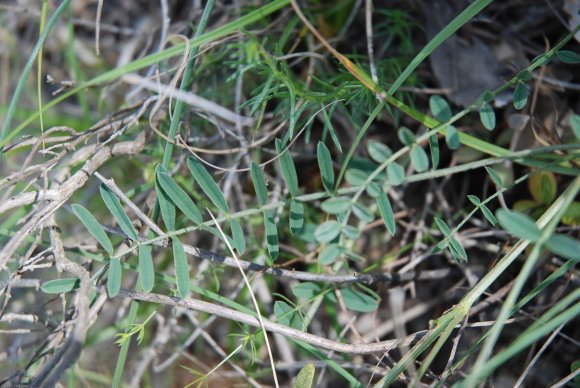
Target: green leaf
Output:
[
  {"x": 525, "y": 206},
  {"x": 443, "y": 227},
  {"x": 374, "y": 189},
  {"x": 387, "y": 212},
  {"x": 271, "y": 235},
  {"x": 378, "y": 151},
  {"x": 543, "y": 187},
  {"x": 306, "y": 290},
  {"x": 286, "y": 315},
  {"x": 494, "y": 177},
  {"x": 355, "y": 177},
  {"x": 396, "y": 173},
  {"x": 337, "y": 205},
  {"x": 350, "y": 232},
  {"x": 434, "y": 147},
  {"x": 325, "y": 165},
  {"x": 440, "y": 246},
  {"x": 179, "y": 197},
  {"x": 520, "y": 98},
  {"x": 363, "y": 213},
  {"x": 487, "y": 116},
  {"x": 564, "y": 246},
  {"x": 58, "y": 286},
  {"x": 406, "y": 136},
  {"x": 329, "y": 254},
  {"x": 474, "y": 200},
  {"x": 575, "y": 124},
  {"x": 288, "y": 170},
  {"x": 165, "y": 205},
  {"x": 456, "y": 255},
  {"x": 328, "y": 125},
  {"x": 419, "y": 158},
  {"x": 114, "y": 278},
  {"x": 259, "y": 183},
  {"x": 488, "y": 214},
  {"x": 440, "y": 108},
  {"x": 327, "y": 231},
  {"x": 518, "y": 225},
  {"x": 452, "y": 138},
  {"x": 458, "y": 248},
  {"x": 146, "y": 269},
  {"x": 181, "y": 268},
  {"x": 118, "y": 212},
  {"x": 296, "y": 217},
  {"x": 207, "y": 184},
  {"x": 572, "y": 214},
  {"x": 357, "y": 301},
  {"x": 305, "y": 378},
  {"x": 238, "y": 235},
  {"x": 93, "y": 226},
  {"x": 568, "y": 56}
]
